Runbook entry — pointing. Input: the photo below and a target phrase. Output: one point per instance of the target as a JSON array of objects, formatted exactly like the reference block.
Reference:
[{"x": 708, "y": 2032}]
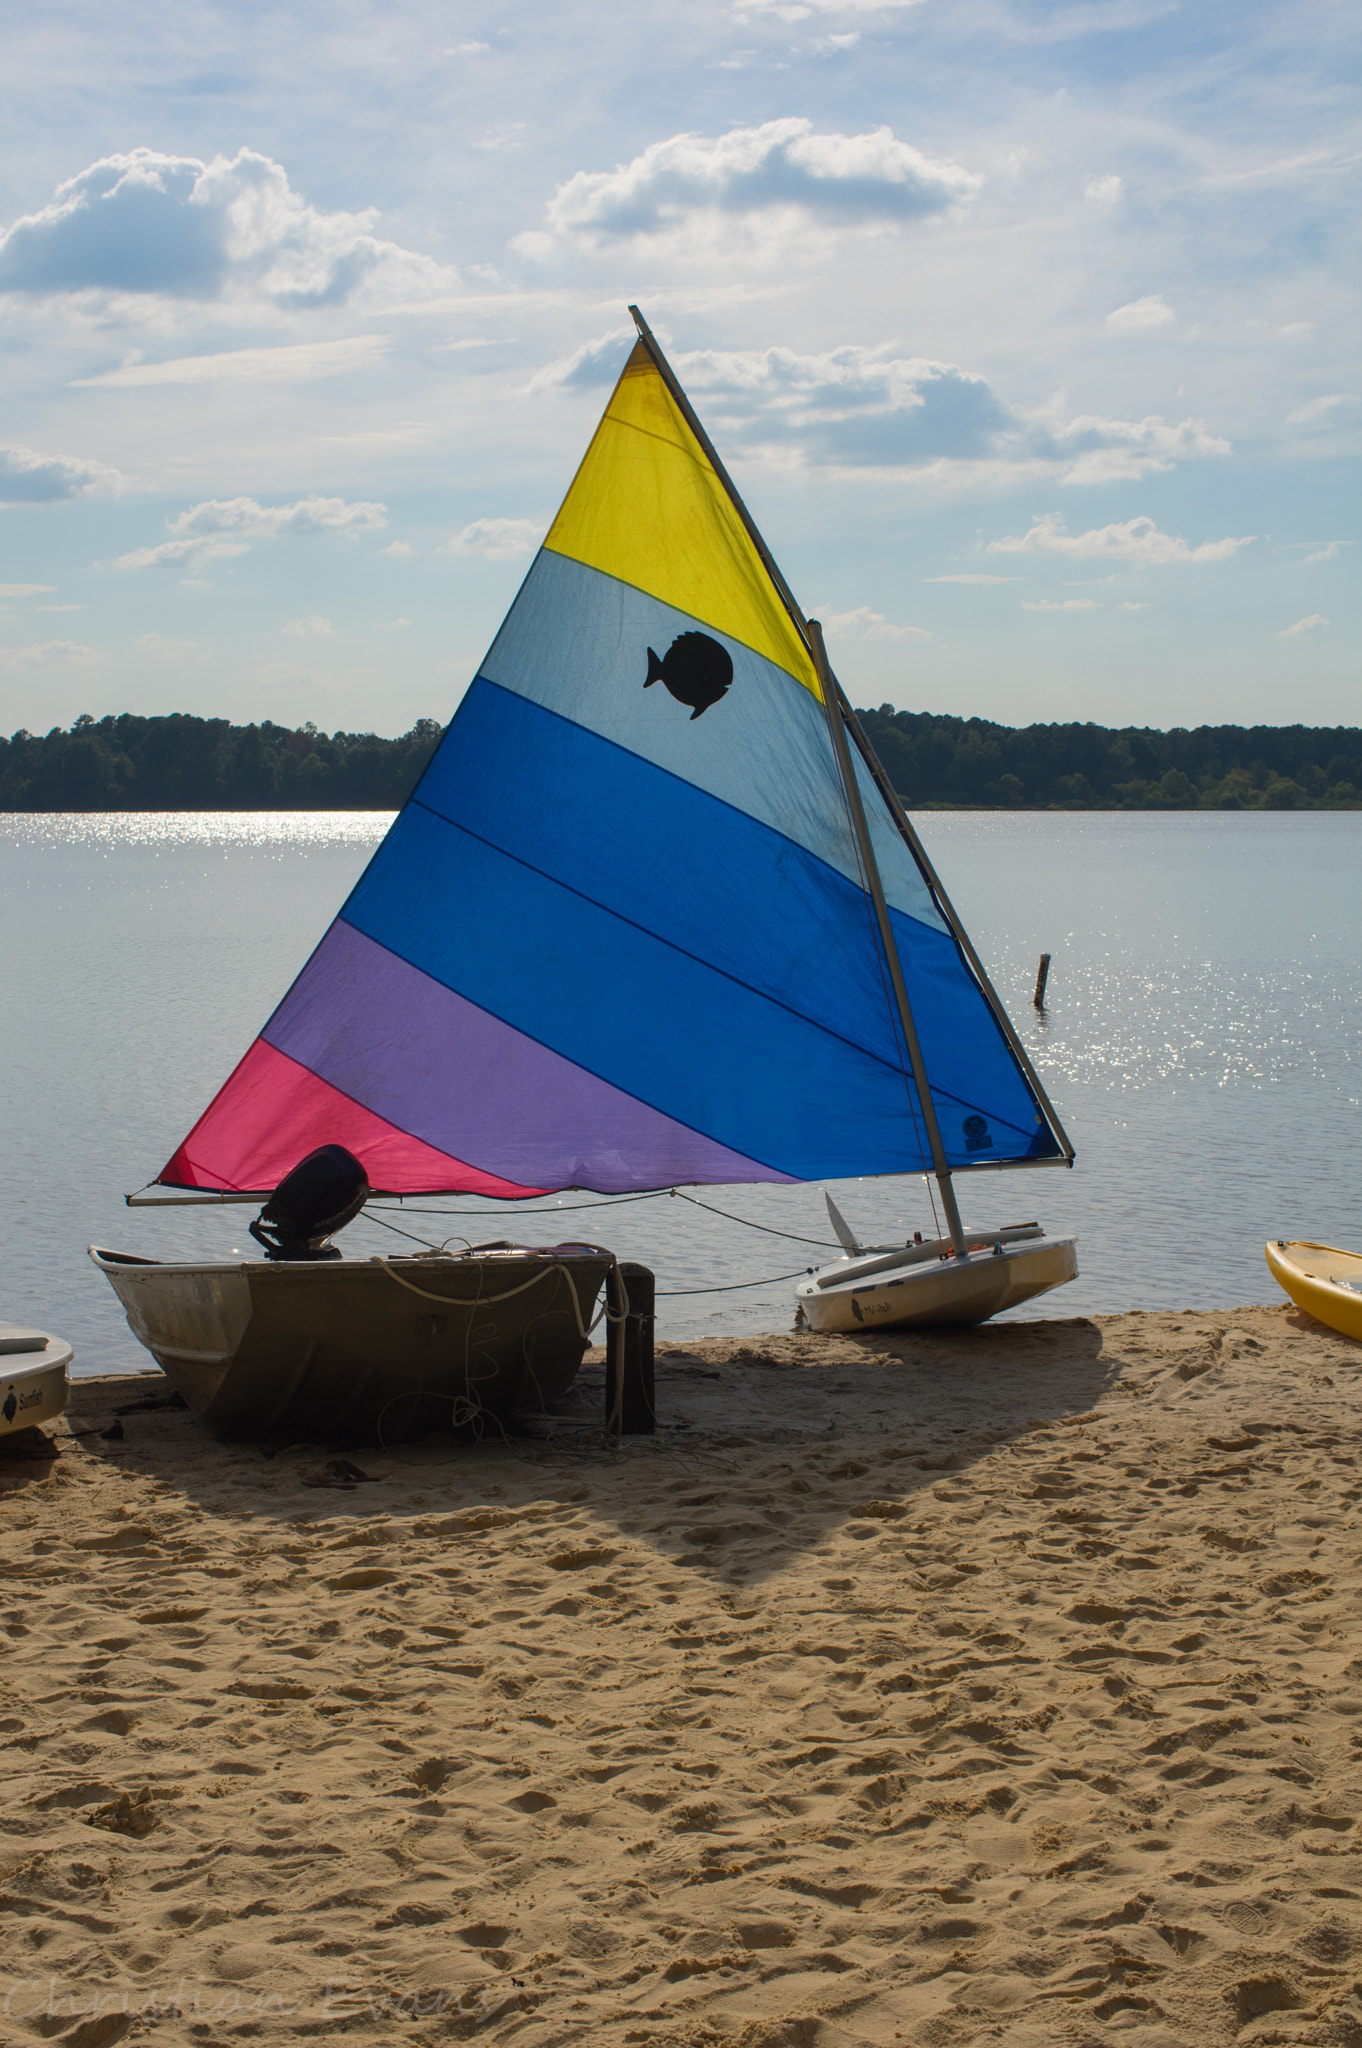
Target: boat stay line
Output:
[
  {"x": 618, "y": 1201},
  {"x": 735, "y": 1287}
]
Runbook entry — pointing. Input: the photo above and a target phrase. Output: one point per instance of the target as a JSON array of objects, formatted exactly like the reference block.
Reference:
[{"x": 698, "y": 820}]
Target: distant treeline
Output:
[
  {"x": 936, "y": 760},
  {"x": 181, "y": 763}
]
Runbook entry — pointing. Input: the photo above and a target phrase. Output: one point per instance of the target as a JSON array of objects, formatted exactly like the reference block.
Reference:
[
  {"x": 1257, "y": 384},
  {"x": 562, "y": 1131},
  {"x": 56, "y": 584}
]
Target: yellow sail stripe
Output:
[{"x": 647, "y": 507}]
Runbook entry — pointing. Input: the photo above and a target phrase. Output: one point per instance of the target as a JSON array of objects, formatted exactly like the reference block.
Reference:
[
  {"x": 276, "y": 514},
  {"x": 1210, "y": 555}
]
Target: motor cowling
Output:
[{"x": 322, "y": 1194}]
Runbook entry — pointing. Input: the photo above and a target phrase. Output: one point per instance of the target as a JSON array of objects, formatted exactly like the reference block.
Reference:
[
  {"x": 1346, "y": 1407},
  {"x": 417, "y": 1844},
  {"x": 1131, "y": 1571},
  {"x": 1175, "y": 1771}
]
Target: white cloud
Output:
[
  {"x": 782, "y": 172},
  {"x": 971, "y": 578},
  {"x": 222, "y": 527},
  {"x": 468, "y": 50},
  {"x": 400, "y": 548},
  {"x": 867, "y": 408},
  {"x": 50, "y": 654},
  {"x": 1060, "y": 604},
  {"x": 1320, "y": 410},
  {"x": 501, "y": 540},
  {"x": 512, "y": 136},
  {"x": 27, "y": 478},
  {"x": 1137, "y": 540},
  {"x": 282, "y": 674},
  {"x": 249, "y": 365},
  {"x": 800, "y": 10},
  {"x": 1095, "y": 450},
  {"x": 1104, "y": 191},
  {"x": 1149, "y": 312},
  {"x": 1280, "y": 167},
  {"x": 152, "y": 225},
  {"x": 1322, "y": 551},
  {"x": 831, "y": 46},
  {"x": 26, "y": 589},
  {"x": 598, "y": 361},
  {"x": 1313, "y": 624},
  {"x": 1126, "y": 605},
  {"x": 175, "y": 554},
  {"x": 314, "y": 627},
  {"x": 157, "y": 648},
  {"x": 863, "y": 624}
]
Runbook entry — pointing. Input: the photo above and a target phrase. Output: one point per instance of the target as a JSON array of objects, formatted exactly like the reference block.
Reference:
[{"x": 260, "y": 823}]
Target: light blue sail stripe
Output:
[{"x": 576, "y": 641}]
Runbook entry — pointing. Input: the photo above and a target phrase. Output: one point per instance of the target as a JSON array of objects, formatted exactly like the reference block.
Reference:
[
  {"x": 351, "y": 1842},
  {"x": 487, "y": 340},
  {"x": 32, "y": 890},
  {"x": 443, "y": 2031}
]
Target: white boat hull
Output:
[
  {"x": 942, "y": 1290},
  {"x": 34, "y": 1386}
]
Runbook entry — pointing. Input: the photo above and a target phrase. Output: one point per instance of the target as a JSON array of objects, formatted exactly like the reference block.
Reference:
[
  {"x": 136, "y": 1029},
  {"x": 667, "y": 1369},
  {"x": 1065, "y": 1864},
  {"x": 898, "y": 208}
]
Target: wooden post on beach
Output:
[
  {"x": 630, "y": 1401},
  {"x": 1041, "y": 978}
]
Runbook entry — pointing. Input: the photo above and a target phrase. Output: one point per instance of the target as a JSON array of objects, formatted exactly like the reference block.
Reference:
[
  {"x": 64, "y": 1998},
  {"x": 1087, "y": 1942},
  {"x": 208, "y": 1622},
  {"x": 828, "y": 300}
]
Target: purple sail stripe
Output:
[{"x": 434, "y": 1064}]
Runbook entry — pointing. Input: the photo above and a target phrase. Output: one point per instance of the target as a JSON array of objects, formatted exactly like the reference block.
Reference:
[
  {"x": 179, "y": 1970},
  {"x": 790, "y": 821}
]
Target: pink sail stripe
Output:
[{"x": 273, "y": 1111}]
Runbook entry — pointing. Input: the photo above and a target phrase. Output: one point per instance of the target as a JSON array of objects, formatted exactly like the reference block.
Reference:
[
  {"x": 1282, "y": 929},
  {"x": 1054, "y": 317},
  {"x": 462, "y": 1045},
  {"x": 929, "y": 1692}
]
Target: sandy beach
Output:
[{"x": 998, "y": 1686}]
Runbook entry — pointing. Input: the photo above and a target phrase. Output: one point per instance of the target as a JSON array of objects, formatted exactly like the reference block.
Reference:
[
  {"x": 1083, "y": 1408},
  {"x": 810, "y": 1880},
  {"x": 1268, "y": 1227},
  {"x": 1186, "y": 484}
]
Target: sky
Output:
[{"x": 1028, "y": 329}]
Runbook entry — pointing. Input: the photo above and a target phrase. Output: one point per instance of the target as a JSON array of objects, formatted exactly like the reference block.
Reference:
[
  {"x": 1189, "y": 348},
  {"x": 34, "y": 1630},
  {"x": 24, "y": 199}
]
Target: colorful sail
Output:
[{"x": 618, "y": 937}]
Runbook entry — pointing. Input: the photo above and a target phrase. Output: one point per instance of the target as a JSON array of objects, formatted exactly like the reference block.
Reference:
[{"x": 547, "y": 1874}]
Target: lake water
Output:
[{"x": 1202, "y": 1043}]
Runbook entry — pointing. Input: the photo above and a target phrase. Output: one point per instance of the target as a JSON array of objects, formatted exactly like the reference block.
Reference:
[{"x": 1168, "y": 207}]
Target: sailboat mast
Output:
[
  {"x": 832, "y": 703},
  {"x": 812, "y": 635},
  {"x": 962, "y": 938}
]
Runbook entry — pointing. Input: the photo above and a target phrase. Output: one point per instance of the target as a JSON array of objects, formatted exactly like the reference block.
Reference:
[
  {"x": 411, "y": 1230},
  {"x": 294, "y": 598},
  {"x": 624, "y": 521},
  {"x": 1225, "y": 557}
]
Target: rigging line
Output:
[
  {"x": 406, "y": 1233},
  {"x": 611, "y": 1202},
  {"x": 793, "y": 1235},
  {"x": 671, "y": 1293},
  {"x": 666, "y": 1293},
  {"x": 616, "y": 1202}
]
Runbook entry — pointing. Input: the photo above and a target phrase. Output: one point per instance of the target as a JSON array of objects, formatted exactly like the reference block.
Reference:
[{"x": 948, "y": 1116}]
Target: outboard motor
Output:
[{"x": 323, "y": 1193}]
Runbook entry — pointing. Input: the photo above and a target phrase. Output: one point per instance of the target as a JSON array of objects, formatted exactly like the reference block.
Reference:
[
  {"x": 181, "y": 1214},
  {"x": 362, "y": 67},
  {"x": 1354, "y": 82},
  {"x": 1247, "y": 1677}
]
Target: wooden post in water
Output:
[
  {"x": 630, "y": 1396},
  {"x": 1042, "y": 977}
]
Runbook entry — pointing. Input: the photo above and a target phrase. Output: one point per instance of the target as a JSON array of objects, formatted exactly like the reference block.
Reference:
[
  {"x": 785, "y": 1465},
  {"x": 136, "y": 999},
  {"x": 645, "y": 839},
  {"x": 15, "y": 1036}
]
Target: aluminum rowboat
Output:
[{"x": 372, "y": 1349}]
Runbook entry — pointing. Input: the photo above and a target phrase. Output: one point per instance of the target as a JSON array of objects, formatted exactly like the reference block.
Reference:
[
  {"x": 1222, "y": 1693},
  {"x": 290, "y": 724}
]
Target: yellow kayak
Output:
[{"x": 1324, "y": 1281}]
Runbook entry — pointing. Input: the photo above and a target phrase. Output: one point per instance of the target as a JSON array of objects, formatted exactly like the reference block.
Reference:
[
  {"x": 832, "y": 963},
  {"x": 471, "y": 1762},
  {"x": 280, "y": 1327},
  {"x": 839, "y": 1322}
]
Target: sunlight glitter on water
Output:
[{"x": 176, "y": 831}]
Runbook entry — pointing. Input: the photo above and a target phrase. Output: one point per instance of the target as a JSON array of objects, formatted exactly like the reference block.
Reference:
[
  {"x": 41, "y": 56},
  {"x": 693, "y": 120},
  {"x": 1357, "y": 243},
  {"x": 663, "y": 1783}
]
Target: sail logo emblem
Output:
[
  {"x": 978, "y": 1137},
  {"x": 695, "y": 670}
]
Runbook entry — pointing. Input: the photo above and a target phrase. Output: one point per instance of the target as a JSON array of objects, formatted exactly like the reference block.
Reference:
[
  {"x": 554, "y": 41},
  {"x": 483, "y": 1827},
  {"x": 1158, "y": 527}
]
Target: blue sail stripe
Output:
[
  {"x": 632, "y": 1010},
  {"x": 656, "y": 870},
  {"x": 713, "y": 881}
]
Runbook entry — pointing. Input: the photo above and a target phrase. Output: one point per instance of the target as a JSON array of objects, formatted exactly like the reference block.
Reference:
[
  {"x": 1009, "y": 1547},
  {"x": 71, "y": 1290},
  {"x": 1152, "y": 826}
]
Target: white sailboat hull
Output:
[
  {"x": 939, "y": 1290},
  {"x": 34, "y": 1387}
]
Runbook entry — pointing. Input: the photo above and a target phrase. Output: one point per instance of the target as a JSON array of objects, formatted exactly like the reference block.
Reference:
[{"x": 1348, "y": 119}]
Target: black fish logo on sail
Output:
[{"x": 695, "y": 669}]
